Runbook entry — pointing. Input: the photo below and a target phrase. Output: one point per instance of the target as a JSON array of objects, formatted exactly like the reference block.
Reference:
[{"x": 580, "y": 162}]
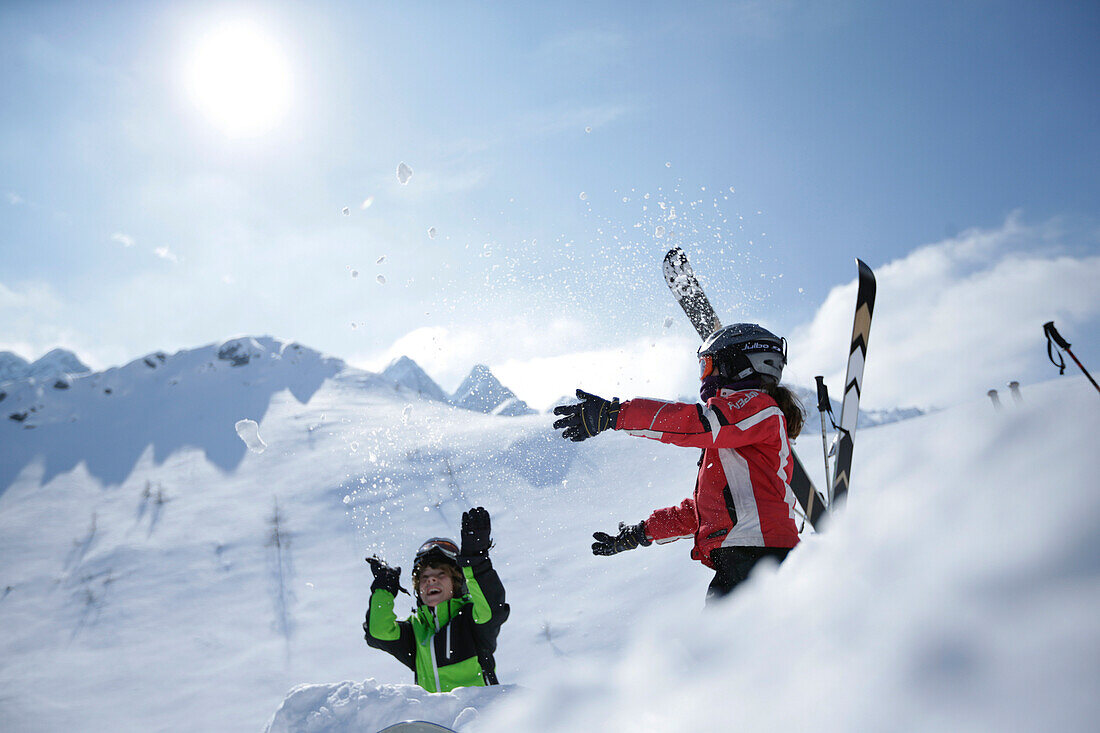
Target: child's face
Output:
[{"x": 436, "y": 586}]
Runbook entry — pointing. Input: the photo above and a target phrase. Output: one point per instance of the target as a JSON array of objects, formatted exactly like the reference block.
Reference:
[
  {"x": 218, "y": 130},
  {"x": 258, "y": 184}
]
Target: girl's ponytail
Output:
[{"x": 790, "y": 405}]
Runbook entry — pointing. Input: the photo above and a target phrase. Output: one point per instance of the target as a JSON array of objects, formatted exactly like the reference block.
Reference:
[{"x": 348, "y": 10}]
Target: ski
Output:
[
  {"x": 853, "y": 382},
  {"x": 416, "y": 726},
  {"x": 685, "y": 287}
]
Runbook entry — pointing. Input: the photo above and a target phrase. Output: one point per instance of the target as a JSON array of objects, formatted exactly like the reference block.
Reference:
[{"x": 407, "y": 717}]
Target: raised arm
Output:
[{"x": 381, "y": 628}]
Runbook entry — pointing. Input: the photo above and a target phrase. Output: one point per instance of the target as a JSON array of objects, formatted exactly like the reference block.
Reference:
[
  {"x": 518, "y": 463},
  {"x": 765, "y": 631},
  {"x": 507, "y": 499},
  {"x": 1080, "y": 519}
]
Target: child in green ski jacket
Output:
[{"x": 449, "y": 640}]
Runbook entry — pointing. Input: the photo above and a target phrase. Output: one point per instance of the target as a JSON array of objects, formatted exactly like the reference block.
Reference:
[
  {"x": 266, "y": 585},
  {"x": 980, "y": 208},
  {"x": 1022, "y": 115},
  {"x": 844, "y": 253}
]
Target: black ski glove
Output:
[
  {"x": 475, "y": 535},
  {"x": 385, "y": 577},
  {"x": 584, "y": 419},
  {"x": 629, "y": 537}
]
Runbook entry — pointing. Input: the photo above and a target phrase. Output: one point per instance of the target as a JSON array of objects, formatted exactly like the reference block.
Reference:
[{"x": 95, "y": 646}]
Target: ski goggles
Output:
[
  {"x": 442, "y": 545},
  {"x": 706, "y": 366}
]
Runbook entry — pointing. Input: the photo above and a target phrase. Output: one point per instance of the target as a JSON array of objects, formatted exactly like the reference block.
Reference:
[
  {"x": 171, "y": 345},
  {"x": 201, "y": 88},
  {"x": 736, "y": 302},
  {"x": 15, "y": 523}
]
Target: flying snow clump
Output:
[
  {"x": 431, "y": 232},
  {"x": 249, "y": 432},
  {"x": 404, "y": 173}
]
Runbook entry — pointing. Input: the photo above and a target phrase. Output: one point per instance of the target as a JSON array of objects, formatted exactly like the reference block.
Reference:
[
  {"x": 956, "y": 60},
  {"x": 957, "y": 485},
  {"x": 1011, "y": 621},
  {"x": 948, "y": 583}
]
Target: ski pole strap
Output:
[{"x": 1053, "y": 337}]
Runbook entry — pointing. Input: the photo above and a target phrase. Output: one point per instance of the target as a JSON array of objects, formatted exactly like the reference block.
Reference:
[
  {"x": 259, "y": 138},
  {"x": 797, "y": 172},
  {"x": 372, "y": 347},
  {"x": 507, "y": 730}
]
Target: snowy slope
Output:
[{"x": 141, "y": 586}]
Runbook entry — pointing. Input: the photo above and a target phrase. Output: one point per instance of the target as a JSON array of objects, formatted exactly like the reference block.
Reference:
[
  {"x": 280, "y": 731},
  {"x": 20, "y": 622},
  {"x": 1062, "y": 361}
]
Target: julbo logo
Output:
[{"x": 760, "y": 346}]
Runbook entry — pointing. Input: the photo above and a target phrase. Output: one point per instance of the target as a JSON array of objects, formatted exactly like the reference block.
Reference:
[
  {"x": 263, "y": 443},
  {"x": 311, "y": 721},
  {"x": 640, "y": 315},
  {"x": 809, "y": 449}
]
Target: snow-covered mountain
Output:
[
  {"x": 53, "y": 365},
  {"x": 407, "y": 373},
  {"x": 107, "y": 420},
  {"x": 481, "y": 391},
  {"x": 12, "y": 366}
]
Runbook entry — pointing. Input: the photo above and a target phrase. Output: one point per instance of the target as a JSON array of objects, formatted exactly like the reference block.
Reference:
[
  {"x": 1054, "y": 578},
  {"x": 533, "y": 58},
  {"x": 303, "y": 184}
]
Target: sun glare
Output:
[{"x": 239, "y": 79}]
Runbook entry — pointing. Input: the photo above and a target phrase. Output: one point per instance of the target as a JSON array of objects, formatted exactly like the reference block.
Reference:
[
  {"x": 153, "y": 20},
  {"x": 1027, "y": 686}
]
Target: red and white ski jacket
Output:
[{"x": 743, "y": 493}]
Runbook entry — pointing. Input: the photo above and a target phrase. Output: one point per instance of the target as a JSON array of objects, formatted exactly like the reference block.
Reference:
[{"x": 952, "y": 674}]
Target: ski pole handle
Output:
[
  {"x": 822, "y": 395},
  {"x": 1052, "y": 333}
]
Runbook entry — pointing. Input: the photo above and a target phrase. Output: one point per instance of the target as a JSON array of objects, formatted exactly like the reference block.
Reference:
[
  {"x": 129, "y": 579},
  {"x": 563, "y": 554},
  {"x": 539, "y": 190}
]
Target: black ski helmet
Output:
[
  {"x": 436, "y": 548},
  {"x": 741, "y": 351},
  {"x": 439, "y": 551}
]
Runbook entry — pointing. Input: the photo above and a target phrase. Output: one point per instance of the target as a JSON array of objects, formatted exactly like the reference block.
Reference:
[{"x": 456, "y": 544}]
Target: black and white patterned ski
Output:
[
  {"x": 689, "y": 294},
  {"x": 685, "y": 287},
  {"x": 853, "y": 382}
]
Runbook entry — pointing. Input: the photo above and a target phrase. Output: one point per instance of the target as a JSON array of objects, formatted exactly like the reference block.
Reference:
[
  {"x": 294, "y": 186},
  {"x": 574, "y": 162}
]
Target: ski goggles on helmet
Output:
[
  {"x": 441, "y": 545},
  {"x": 706, "y": 366}
]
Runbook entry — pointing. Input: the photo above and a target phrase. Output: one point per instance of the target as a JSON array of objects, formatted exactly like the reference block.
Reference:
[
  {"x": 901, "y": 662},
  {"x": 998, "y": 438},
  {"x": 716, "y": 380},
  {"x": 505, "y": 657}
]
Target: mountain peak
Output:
[
  {"x": 481, "y": 391},
  {"x": 407, "y": 373},
  {"x": 56, "y": 363},
  {"x": 12, "y": 366}
]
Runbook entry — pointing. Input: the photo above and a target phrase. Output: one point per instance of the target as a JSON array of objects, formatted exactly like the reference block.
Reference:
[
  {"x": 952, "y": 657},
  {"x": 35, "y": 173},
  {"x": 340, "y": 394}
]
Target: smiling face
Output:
[{"x": 435, "y": 586}]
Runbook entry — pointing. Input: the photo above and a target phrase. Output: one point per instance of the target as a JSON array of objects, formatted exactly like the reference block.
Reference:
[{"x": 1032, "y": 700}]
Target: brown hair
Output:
[
  {"x": 790, "y": 405},
  {"x": 458, "y": 580}
]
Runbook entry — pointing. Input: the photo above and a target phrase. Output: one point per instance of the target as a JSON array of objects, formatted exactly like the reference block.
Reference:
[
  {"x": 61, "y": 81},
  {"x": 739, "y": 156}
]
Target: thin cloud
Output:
[
  {"x": 166, "y": 254},
  {"x": 124, "y": 239}
]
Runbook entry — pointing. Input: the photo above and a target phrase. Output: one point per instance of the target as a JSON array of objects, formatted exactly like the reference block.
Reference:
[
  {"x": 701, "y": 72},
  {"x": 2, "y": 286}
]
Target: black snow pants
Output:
[{"x": 733, "y": 564}]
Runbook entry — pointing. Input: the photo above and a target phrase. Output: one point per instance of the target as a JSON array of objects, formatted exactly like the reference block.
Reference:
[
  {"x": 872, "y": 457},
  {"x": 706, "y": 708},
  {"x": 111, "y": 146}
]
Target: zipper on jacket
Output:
[
  {"x": 447, "y": 656},
  {"x": 431, "y": 646}
]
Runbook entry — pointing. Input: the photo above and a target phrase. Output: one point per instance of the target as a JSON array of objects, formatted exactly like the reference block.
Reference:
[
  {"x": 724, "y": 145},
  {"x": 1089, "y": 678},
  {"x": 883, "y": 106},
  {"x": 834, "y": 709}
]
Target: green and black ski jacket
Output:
[{"x": 452, "y": 645}]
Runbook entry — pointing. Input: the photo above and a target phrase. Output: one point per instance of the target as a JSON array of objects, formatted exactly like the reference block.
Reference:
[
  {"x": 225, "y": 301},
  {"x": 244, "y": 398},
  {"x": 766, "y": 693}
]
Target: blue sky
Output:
[{"x": 949, "y": 144}]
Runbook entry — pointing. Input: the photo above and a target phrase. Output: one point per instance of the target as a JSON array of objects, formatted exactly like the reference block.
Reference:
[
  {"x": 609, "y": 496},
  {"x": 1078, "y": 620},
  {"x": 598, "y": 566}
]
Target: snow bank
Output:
[
  {"x": 355, "y": 707},
  {"x": 958, "y": 591}
]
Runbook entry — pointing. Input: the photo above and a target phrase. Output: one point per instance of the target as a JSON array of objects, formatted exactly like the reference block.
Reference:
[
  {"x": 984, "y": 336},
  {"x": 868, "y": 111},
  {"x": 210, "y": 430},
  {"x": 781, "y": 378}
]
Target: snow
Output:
[
  {"x": 157, "y": 575},
  {"x": 249, "y": 432},
  {"x": 404, "y": 173},
  {"x": 351, "y": 706}
]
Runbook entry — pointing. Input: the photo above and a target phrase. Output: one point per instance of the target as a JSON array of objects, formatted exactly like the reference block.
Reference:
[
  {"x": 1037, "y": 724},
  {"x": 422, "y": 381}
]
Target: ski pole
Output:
[
  {"x": 823, "y": 406},
  {"x": 1055, "y": 337}
]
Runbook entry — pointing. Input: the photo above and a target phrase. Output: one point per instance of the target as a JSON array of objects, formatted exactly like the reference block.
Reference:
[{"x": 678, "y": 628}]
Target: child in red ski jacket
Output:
[{"x": 743, "y": 508}]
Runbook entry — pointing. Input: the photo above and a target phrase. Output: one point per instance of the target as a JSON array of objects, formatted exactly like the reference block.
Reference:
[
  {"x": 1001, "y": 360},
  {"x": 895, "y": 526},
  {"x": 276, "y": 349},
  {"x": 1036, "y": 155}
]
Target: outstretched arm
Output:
[{"x": 722, "y": 423}]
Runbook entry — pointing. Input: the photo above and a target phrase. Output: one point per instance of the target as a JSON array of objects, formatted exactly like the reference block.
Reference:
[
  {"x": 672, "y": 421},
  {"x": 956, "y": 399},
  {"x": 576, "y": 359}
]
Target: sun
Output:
[{"x": 239, "y": 78}]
